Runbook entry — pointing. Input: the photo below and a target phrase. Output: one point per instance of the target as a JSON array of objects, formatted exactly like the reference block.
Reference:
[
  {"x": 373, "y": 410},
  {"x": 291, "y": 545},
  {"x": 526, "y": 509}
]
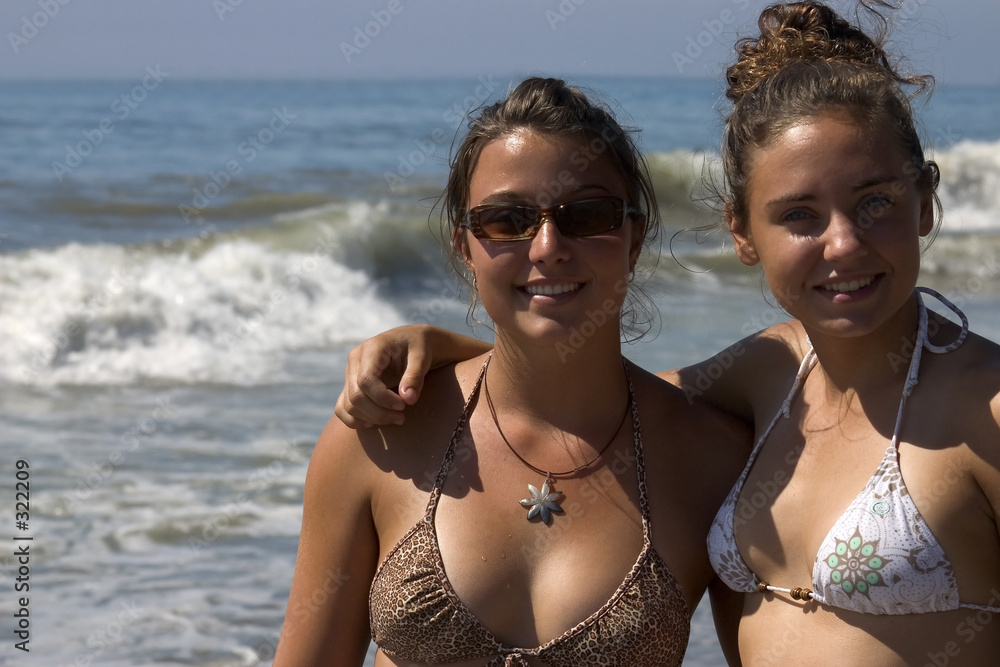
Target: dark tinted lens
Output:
[
  {"x": 590, "y": 216},
  {"x": 505, "y": 222}
]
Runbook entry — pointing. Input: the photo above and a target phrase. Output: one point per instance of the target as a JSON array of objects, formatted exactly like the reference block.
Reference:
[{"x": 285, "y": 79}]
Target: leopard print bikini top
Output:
[{"x": 416, "y": 615}]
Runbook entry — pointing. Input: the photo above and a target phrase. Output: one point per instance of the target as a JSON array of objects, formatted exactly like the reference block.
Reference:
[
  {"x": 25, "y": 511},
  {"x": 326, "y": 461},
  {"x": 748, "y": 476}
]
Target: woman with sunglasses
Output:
[
  {"x": 864, "y": 528},
  {"x": 509, "y": 521}
]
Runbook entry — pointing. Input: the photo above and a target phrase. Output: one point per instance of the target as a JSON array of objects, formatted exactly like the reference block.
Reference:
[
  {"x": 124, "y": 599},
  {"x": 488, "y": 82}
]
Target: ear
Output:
[
  {"x": 460, "y": 242},
  {"x": 742, "y": 239},
  {"x": 926, "y": 214}
]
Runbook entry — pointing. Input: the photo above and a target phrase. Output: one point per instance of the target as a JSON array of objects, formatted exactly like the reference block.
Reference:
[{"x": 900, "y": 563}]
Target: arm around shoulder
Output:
[
  {"x": 397, "y": 359},
  {"x": 732, "y": 379},
  {"x": 326, "y": 621}
]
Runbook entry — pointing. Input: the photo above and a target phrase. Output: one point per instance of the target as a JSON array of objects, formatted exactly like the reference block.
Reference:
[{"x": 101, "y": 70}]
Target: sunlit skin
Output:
[
  {"x": 834, "y": 219},
  {"x": 593, "y": 270},
  {"x": 522, "y": 580},
  {"x": 816, "y": 229},
  {"x": 831, "y": 205},
  {"x": 812, "y": 226}
]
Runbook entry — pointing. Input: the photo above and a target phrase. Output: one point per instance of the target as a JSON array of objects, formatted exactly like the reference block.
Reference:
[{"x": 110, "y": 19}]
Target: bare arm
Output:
[
  {"x": 727, "y": 608},
  {"x": 326, "y": 622},
  {"x": 398, "y": 357},
  {"x": 743, "y": 373}
]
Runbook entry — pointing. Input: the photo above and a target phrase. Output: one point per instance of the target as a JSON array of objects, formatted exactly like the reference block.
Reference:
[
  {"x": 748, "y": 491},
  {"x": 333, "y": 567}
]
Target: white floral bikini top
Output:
[{"x": 880, "y": 557}]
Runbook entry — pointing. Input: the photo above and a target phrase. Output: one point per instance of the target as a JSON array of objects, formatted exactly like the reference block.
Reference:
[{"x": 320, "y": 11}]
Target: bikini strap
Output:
[
  {"x": 640, "y": 466},
  {"x": 807, "y": 364},
  {"x": 922, "y": 343},
  {"x": 456, "y": 436}
]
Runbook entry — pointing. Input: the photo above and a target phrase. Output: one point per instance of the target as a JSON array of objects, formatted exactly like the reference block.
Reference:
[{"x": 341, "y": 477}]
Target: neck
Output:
[
  {"x": 853, "y": 365},
  {"x": 574, "y": 392}
]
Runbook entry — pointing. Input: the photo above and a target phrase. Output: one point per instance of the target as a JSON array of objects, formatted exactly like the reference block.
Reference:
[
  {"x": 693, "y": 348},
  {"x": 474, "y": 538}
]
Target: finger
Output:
[
  {"x": 357, "y": 411},
  {"x": 354, "y": 407},
  {"x": 418, "y": 363},
  {"x": 372, "y": 393},
  {"x": 364, "y": 381}
]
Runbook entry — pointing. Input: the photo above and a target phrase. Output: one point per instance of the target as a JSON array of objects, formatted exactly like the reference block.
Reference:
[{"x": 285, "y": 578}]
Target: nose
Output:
[
  {"x": 549, "y": 244},
  {"x": 843, "y": 237}
]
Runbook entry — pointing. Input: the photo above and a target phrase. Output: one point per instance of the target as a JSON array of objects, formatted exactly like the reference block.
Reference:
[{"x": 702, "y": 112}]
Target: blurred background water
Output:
[{"x": 181, "y": 277}]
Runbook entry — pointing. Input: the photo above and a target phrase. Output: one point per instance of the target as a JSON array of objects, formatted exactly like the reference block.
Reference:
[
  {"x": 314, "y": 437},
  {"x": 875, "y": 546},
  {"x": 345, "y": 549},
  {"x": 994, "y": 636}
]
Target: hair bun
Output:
[{"x": 801, "y": 32}]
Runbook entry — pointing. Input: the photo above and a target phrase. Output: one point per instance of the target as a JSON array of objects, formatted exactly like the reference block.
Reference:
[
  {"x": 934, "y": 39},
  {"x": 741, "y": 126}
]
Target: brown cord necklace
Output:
[{"x": 543, "y": 502}]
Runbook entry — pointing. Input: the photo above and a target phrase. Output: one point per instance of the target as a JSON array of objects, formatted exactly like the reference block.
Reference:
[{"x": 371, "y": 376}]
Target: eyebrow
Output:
[
  {"x": 876, "y": 180},
  {"x": 791, "y": 197},
  {"x": 511, "y": 197}
]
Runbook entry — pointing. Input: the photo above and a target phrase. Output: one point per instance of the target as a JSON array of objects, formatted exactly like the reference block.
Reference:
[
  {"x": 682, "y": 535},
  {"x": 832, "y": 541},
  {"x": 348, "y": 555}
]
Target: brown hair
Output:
[
  {"x": 809, "y": 61},
  {"x": 550, "y": 106}
]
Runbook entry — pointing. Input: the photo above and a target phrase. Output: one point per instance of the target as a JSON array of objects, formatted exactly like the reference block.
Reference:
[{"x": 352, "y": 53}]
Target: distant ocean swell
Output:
[{"x": 232, "y": 306}]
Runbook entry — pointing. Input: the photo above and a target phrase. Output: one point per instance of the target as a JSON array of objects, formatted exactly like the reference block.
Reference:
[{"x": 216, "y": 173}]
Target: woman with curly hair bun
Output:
[{"x": 864, "y": 527}]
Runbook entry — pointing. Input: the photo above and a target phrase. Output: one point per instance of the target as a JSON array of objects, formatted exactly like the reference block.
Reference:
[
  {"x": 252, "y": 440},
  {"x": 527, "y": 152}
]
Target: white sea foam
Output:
[
  {"x": 107, "y": 314},
  {"x": 970, "y": 186}
]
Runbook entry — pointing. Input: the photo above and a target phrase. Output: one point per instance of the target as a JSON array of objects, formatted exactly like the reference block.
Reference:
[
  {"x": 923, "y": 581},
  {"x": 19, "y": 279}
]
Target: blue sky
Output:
[{"x": 361, "y": 39}]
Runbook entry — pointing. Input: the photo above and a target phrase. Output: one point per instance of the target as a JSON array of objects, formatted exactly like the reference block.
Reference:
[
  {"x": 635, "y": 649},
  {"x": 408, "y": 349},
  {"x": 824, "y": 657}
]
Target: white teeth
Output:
[
  {"x": 550, "y": 290},
  {"x": 852, "y": 286}
]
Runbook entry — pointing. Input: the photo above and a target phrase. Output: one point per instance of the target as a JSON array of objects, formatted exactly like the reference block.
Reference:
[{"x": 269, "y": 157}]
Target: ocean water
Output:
[{"x": 183, "y": 267}]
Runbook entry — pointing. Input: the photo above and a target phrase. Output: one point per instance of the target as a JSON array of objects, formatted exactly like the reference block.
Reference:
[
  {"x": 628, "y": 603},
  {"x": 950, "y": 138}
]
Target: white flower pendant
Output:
[{"x": 542, "y": 503}]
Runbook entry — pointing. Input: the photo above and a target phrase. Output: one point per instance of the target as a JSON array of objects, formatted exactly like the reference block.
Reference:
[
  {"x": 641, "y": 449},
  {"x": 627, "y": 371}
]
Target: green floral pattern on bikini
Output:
[{"x": 855, "y": 565}]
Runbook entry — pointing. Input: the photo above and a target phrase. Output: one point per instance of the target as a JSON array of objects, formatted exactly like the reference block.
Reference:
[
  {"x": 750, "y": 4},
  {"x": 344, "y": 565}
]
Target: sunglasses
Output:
[{"x": 575, "y": 219}]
